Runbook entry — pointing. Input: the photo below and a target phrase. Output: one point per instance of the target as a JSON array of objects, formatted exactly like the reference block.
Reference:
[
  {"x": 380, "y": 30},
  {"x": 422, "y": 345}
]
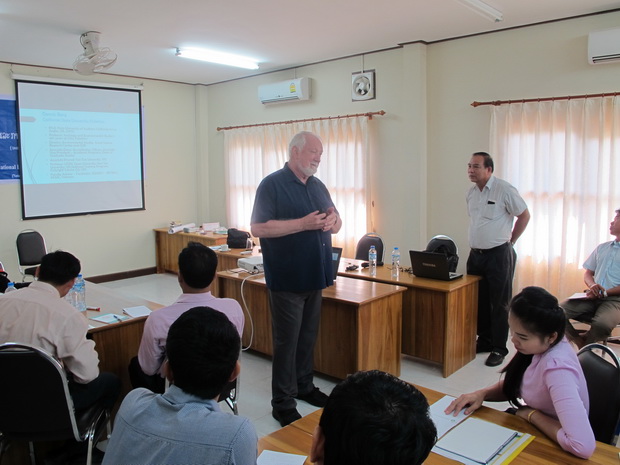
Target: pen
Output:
[
  {"x": 94, "y": 309},
  {"x": 116, "y": 317}
]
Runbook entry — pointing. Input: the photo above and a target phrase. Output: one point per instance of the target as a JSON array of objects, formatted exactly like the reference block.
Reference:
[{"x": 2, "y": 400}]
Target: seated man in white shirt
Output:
[
  {"x": 185, "y": 425},
  {"x": 38, "y": 315},
  {"x": 197, "y": 266}
]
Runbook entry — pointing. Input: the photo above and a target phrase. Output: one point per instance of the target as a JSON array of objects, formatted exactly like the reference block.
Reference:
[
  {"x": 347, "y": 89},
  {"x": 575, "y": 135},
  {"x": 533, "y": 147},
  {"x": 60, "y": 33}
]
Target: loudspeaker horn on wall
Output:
[{"x": 363, "y": 86}]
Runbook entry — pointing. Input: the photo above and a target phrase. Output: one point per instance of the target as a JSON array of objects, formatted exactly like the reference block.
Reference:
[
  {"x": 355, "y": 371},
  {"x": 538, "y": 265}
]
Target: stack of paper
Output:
[{"x": 135, "y": 312}]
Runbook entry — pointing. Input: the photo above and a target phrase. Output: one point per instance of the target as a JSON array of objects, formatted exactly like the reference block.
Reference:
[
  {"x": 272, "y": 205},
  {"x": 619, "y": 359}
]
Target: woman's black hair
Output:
[{"x": 539, "y": 312}]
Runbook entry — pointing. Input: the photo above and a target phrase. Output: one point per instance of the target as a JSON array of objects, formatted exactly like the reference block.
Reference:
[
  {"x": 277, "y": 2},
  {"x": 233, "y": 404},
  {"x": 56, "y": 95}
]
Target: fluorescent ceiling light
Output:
[
  {"x": 217, "y": 57},
  {"x": 483, "y": 9}
]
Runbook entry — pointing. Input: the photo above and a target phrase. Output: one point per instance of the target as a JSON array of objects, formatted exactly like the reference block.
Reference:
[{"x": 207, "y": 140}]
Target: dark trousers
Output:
[
  {"x": 496, "y": 267},
  {"x": 138, "y": 378},
  {"x": 295, "y": 321},
  {"x": 603, "y": 315},
  {"x": 106, "y": 386}
]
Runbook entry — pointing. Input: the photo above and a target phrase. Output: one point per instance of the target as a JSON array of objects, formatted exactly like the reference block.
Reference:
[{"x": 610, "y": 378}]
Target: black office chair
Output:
[
  {"x": 363, "y": 246},
  {"x": 444, "y": 244},
  {"x": 30, "y": 250},
  {"x": 229, "y": 395},
  {"x": 603, "y": 379},
  {"x": 36, "y": 404}
]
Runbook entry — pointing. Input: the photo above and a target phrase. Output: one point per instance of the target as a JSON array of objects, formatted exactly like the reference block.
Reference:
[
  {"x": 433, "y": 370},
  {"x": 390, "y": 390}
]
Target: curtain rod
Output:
[
  {"x": 369, "y": 115},
  {"x": 545, "y": 99}
]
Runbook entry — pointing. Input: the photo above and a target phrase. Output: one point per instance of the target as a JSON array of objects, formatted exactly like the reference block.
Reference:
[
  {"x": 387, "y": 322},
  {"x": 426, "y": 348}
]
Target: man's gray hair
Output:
[{"x": 299, "y": 141}]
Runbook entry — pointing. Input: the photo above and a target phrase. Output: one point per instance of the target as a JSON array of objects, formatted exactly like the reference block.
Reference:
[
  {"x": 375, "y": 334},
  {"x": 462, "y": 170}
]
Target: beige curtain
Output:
[
  {"x": 564, "y": 158},
  {"x": 253, "y": 153}
]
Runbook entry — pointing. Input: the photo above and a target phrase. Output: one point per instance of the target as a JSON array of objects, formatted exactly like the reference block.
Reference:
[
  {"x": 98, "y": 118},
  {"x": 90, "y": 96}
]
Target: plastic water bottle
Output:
[
  {"x": 10, "y": 288},
  {"x": 372, "y": 261},
  {"x": 80, "y": 290},
  {"x": 395, "y": 263}
]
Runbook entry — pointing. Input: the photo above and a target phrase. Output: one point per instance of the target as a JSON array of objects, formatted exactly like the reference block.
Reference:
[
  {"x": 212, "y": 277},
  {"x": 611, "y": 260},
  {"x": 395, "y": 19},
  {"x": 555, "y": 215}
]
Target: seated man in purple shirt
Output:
[{"x": 197, "y": 265}]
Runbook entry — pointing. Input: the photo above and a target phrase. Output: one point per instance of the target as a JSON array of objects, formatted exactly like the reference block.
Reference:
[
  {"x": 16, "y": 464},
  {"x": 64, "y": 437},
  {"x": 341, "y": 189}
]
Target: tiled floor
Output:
[{"x": 255, "y": 380}]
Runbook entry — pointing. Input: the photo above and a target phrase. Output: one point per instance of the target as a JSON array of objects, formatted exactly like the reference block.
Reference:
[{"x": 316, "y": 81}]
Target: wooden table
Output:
[
  {"x": 116, "y": 343},
  {"x": 360, "y": 323},
  {"x": 296, "y": 438},
  {"x": 439, "y": 317},
  {"x": 168, "y": 246}
]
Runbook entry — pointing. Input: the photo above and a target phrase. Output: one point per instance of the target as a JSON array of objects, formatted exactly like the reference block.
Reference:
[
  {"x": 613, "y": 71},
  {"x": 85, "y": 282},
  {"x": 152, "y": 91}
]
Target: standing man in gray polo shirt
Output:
[{"x": 492, "y": 205}]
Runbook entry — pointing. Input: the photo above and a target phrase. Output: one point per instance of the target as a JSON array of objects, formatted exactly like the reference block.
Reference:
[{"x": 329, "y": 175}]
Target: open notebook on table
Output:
[{"x": 473, "y": 441}]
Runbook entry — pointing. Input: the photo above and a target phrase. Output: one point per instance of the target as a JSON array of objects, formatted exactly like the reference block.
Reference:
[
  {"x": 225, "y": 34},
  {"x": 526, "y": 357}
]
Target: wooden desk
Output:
[
  {"x": 296, "y": 438},
  {"x": 439, "y": 317},
  {"x": 168, "y": 246},
  {"x": 116, "y": 343},
  {"x": 360, "y": 323}
]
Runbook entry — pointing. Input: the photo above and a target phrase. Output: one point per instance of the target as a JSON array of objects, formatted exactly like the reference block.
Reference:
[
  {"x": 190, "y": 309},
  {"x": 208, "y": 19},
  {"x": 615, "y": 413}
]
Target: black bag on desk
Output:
[
  {"x": 237, "y": 239},
  {"x": 4, "y": 281}
]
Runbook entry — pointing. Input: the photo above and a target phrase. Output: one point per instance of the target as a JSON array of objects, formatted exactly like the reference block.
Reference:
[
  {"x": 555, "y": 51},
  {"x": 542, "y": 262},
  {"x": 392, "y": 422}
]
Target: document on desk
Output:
[
  {"x": 135, "y": 312},
  {"x": 476, "y": 441},
  {"x": 443, "y": 422},
  {"x": 110, "y": 318},
  {"x": 270, "y": 457}
]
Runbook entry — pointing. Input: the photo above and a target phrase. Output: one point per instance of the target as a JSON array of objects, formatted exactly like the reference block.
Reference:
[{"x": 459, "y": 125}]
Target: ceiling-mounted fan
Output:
[{"x": 94, "y": 59}]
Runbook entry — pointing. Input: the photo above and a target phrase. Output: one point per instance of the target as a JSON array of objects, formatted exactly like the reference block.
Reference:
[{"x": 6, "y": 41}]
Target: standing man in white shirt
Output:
[{"x": 492, "y": 205}]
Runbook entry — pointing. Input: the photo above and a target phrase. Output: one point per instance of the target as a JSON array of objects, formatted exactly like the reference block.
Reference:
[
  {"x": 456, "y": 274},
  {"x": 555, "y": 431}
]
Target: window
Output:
[
  {"x": 254, "y": 152},
  {"x": 564, "y": 158}
]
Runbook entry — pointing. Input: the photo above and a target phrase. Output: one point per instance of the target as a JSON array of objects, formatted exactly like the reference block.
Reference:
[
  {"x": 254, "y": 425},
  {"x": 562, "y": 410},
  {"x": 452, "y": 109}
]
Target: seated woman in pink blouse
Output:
[{"x": 544, "y": 373}]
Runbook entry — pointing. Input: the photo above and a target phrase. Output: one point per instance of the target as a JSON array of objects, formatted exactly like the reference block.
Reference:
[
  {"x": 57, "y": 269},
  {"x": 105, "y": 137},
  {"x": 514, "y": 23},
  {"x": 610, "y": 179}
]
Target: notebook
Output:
[
  {"x": 336, "y": 254},
  {"x": 431, "y": 265}
]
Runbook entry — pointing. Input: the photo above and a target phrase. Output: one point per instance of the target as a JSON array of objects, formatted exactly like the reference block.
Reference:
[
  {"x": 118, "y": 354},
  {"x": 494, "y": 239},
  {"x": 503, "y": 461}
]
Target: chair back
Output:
[
  {"x": 34, "y": 395},
  {"x": 603, "y": 379},
  {"x": 444, "y": 244},
  {"x": 363, "y": 246},
  {"x": 30, "y": 250},
  {"x": 229, "y": 395}
]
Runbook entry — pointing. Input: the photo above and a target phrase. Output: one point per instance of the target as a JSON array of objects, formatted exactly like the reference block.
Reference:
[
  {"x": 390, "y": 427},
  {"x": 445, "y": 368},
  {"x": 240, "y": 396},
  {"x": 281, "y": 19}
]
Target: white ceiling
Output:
[{"x": 281, "y": 34}]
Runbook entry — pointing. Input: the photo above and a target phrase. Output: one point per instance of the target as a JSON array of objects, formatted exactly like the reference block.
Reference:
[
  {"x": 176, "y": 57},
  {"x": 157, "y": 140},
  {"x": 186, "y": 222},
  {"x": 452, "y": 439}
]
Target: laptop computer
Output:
[
  {"x": 336, "y": 254},
  {"x": 431, "y": 265}
]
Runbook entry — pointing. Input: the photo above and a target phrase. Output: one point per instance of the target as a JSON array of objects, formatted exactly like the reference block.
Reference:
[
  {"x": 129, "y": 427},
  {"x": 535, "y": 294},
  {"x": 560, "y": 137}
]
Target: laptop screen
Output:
[{"x": 336, "y": 254}]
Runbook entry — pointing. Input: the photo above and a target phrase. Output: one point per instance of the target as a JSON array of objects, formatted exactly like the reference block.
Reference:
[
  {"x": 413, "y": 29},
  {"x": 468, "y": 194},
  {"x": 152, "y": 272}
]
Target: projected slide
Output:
[{"x": 80, "y": 149}]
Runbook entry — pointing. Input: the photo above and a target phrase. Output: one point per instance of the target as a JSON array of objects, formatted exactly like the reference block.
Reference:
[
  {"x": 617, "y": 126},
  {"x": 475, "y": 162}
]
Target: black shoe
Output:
[
  {"x": 494, "y": 359},
  {"x": 286, "y": 416},
  {"x": 314, "y": 397}
]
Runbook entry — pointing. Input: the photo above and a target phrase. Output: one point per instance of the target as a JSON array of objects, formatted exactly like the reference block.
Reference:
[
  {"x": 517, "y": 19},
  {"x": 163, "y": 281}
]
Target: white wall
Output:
[
  {"x": 116, "y": 242},
  {"x": 539, "y": 61},
  {"x": 430, "y": 130},
  {"x": 423, "y": 143},
  {"x": 398, "y": 185}
]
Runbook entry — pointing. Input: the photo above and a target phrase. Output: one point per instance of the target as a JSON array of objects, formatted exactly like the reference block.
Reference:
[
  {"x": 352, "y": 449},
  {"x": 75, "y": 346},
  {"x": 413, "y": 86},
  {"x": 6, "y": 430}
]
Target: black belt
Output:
[{"x": 483, "y": 251}]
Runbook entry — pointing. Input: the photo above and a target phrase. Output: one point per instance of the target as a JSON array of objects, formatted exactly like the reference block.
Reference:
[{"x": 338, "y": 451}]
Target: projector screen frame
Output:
[{"x": 104, "y": 196}]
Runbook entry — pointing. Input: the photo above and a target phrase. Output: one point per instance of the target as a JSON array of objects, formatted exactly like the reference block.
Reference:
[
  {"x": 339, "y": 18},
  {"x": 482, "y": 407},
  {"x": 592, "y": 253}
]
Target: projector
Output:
[{"x": 251, "y": 264}]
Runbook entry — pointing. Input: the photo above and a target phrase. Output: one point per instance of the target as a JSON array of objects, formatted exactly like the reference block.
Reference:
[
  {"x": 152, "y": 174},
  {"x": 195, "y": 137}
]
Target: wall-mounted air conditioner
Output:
[
  {"x": 604, "y": 46},
  {"x": 285, "y": 91}
]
